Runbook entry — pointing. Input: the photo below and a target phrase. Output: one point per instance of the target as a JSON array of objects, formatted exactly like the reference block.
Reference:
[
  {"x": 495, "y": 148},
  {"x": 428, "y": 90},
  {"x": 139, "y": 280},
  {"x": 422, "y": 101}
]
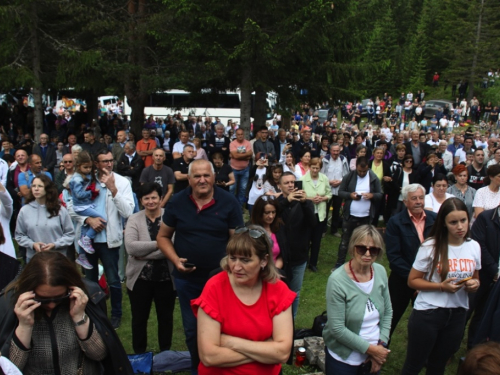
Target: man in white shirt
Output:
[
  {"x": 434, "y": 139},
  {"x": 461, "y": 154},
  {"x": 445, "y": 156},
  {"x": 335, "y": 167},
  {"x": 179, "y": 146},
  {"x": 362, "y": 192},
  {"x": 443, "y": 123}
]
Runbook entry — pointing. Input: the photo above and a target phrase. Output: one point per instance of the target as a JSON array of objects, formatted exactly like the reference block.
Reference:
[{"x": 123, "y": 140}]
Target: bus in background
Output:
[{"x": 224, "y": 105}]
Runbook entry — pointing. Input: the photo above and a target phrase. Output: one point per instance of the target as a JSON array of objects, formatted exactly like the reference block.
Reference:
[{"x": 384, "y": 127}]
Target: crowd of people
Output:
[{"x": 164, "y": 213}]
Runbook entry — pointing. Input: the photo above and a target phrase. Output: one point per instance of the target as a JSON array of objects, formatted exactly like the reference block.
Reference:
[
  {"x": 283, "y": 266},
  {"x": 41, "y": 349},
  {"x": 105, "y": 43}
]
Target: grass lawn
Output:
[{"x": 312, "y": 303}]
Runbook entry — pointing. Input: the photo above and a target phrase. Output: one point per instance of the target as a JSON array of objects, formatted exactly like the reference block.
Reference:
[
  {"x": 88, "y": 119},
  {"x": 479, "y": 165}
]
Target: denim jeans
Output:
[
  {"x": 109, "y": 260},
  {"x": 334, "y": 367},
  {"x": 241, "y": 178},
  {"x": 188, "y": 290},
  {"x": 296, "y": 284},
  {"x": 434, "y": 335},
  {"x": 87, "y": 230}
]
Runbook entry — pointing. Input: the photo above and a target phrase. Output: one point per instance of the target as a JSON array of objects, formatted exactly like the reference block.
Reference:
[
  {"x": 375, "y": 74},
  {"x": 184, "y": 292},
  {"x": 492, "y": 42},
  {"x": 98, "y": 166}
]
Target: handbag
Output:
[
  {"x": 316, "y": 330},
  {"x": 319, "y": 323}
]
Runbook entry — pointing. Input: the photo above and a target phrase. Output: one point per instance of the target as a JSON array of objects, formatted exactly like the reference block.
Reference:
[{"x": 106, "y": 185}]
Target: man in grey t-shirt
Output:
[{"x": 161, "y": 174}]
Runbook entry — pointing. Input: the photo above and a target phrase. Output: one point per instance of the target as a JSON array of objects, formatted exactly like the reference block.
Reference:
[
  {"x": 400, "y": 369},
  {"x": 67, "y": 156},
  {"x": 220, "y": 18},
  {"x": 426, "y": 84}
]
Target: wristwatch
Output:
[{"x": 83, "y": 321}]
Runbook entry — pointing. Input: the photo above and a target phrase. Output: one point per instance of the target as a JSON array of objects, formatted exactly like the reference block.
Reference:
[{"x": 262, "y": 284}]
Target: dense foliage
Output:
[{"x": 330, "y": 50}]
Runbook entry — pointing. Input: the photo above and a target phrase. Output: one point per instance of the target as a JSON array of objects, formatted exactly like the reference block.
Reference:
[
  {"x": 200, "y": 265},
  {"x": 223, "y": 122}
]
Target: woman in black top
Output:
[{"x": 224, "y": 176}]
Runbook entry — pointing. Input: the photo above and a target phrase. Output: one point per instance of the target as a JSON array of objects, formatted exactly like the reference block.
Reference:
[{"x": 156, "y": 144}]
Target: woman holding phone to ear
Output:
[{"x": 445, "y": 270}]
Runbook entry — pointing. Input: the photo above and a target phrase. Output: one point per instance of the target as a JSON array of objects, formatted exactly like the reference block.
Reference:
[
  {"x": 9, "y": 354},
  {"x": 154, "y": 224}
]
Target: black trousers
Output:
[
  {"x": 401, "y": 294},
  {"x": 477, "y": 305},
  {"x": 336, "y": 203},
  {"x": 141, "y": 298},
  {"x": 433, "y": 337},
  {"x": 348, "y": 227},
  {"x": 316, "y": 235}
]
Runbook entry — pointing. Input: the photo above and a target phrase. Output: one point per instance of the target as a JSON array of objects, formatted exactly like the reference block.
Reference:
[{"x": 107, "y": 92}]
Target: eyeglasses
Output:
[
  {"x": 106, "y": 161},
  {"x": 374, "y": 251},
  {"x": 409, "y": 161},
  {"x": 267, "y": 198},
  {"x": 67, "y": 161},
  {"x": 45, "y": 301},
  {"x": 254, "y": 233}
]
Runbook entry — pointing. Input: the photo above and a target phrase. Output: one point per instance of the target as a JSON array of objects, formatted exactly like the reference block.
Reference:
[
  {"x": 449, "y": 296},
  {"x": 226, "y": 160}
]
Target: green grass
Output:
[{"x": 312, "y": 303}]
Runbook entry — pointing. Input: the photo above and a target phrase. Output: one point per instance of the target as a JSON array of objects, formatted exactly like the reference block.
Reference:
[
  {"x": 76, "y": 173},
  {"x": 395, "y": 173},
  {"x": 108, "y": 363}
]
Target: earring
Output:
[{"x": 262, "y": 268}]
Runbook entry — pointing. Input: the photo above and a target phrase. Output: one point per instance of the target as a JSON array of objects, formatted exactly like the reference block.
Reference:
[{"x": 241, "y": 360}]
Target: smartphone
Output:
[
  {"x": 298, "y": 185},
  {"x": 188, "y": 265},
  {"x": 358, "y": 196},
  {"x": 463, "y": 281}
]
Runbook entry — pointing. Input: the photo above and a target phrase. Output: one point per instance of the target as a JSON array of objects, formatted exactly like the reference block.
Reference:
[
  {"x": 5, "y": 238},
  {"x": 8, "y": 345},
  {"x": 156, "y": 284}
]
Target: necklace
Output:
[{"x": 354, "y": 275}]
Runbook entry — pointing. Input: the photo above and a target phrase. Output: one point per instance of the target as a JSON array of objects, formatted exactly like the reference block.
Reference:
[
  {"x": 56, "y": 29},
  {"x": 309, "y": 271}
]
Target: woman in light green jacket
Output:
[
  {"x": 318, "y": 190},
  {"x": 359, "y": 309}
]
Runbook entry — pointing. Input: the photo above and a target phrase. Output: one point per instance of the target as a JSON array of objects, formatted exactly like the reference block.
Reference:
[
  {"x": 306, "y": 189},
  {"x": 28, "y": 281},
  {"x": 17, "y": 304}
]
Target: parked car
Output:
[{"x": 432, "y": 106}]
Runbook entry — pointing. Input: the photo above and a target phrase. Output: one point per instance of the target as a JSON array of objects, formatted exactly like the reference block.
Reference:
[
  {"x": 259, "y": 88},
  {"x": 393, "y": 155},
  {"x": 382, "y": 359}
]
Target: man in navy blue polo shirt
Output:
[{"x": 203, "y": 217}]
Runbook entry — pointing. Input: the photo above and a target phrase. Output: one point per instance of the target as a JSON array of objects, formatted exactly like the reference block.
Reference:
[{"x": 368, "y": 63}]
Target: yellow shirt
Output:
[{"x": 379, "y": 171}]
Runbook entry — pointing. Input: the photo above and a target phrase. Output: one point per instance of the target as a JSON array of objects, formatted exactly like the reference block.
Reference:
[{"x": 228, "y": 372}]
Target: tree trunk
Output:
[
  {"x": 134, "y": 85},
  {"x": 246, "y": 99},
  {"x": 91, "y": 104},
  {"x": 37, "y": 87},
  {"x": 137, "y": 117},
  {"x": 472, "y": 79},
  {"x": 260, "y": 109}
]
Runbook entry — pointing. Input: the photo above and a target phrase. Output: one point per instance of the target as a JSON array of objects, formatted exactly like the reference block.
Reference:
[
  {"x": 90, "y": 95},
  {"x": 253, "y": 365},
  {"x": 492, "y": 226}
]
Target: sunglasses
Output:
[
  {"x": 374, "y": 251},
  {"x": 45, "y": 301},
  {"x": 254, "y": 233},
  {"x": 409, "y": 161},
  {"x": 267, "y": 198}
]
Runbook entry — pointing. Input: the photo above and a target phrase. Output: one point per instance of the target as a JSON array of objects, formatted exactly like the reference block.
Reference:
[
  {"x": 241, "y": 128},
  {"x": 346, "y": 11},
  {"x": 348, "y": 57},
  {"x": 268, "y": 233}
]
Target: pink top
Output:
[
  {"x": 243, "y": 147},
  {"x": 276, "y": 247}
]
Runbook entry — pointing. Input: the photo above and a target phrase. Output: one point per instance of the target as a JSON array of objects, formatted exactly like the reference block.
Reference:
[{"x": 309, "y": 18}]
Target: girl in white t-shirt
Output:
[{"x": 445, "y": 270}]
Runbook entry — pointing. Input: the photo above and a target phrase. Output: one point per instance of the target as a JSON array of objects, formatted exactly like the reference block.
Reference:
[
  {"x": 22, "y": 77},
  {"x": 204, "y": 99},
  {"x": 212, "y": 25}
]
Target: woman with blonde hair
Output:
[
  {"x": 244, "y": 313},
  {"x": 359, "y": 308}
]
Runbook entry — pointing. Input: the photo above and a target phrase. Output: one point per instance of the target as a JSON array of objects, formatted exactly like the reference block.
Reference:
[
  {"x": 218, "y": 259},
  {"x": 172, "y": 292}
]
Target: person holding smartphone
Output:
[
  {"x": 49, "y": 306},
  {"x": 445, "y": 271},
  {"x": 361, "y": 191}
]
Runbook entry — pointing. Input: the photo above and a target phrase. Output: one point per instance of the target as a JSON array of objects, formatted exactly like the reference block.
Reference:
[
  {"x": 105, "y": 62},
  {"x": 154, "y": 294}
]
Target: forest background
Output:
[{"x": 340, "y": 50}]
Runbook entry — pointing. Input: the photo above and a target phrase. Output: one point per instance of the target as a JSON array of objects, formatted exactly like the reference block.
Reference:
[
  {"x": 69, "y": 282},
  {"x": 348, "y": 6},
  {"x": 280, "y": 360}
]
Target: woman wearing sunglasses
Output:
[
  {"x": 359, "y": 309},
  {"x": 49, "y": 306},
  {"x": 244, "y": 313},
  {"x": 445, "y": 270}
]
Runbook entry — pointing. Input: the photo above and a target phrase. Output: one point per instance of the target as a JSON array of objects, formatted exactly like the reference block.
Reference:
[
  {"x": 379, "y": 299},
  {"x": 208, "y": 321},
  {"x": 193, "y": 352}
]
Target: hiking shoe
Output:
[
  {"x": 115, "y": 322},
  {"x": 84, "y": 262},
  {"x": 86, "y": 244}
]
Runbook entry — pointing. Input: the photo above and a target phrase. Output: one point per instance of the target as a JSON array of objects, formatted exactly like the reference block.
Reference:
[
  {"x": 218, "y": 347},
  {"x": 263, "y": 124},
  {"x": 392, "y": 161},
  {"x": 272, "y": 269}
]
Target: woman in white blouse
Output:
[
  {"x": 488, "y": 197},
  {"x": 288, "y": 162},
  {"x": 436, "y": 198}
]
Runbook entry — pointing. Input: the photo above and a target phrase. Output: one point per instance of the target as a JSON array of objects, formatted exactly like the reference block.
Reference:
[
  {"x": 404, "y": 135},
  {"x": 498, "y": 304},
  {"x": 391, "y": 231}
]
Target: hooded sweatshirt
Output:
[{"x": 34, "y": 225}]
